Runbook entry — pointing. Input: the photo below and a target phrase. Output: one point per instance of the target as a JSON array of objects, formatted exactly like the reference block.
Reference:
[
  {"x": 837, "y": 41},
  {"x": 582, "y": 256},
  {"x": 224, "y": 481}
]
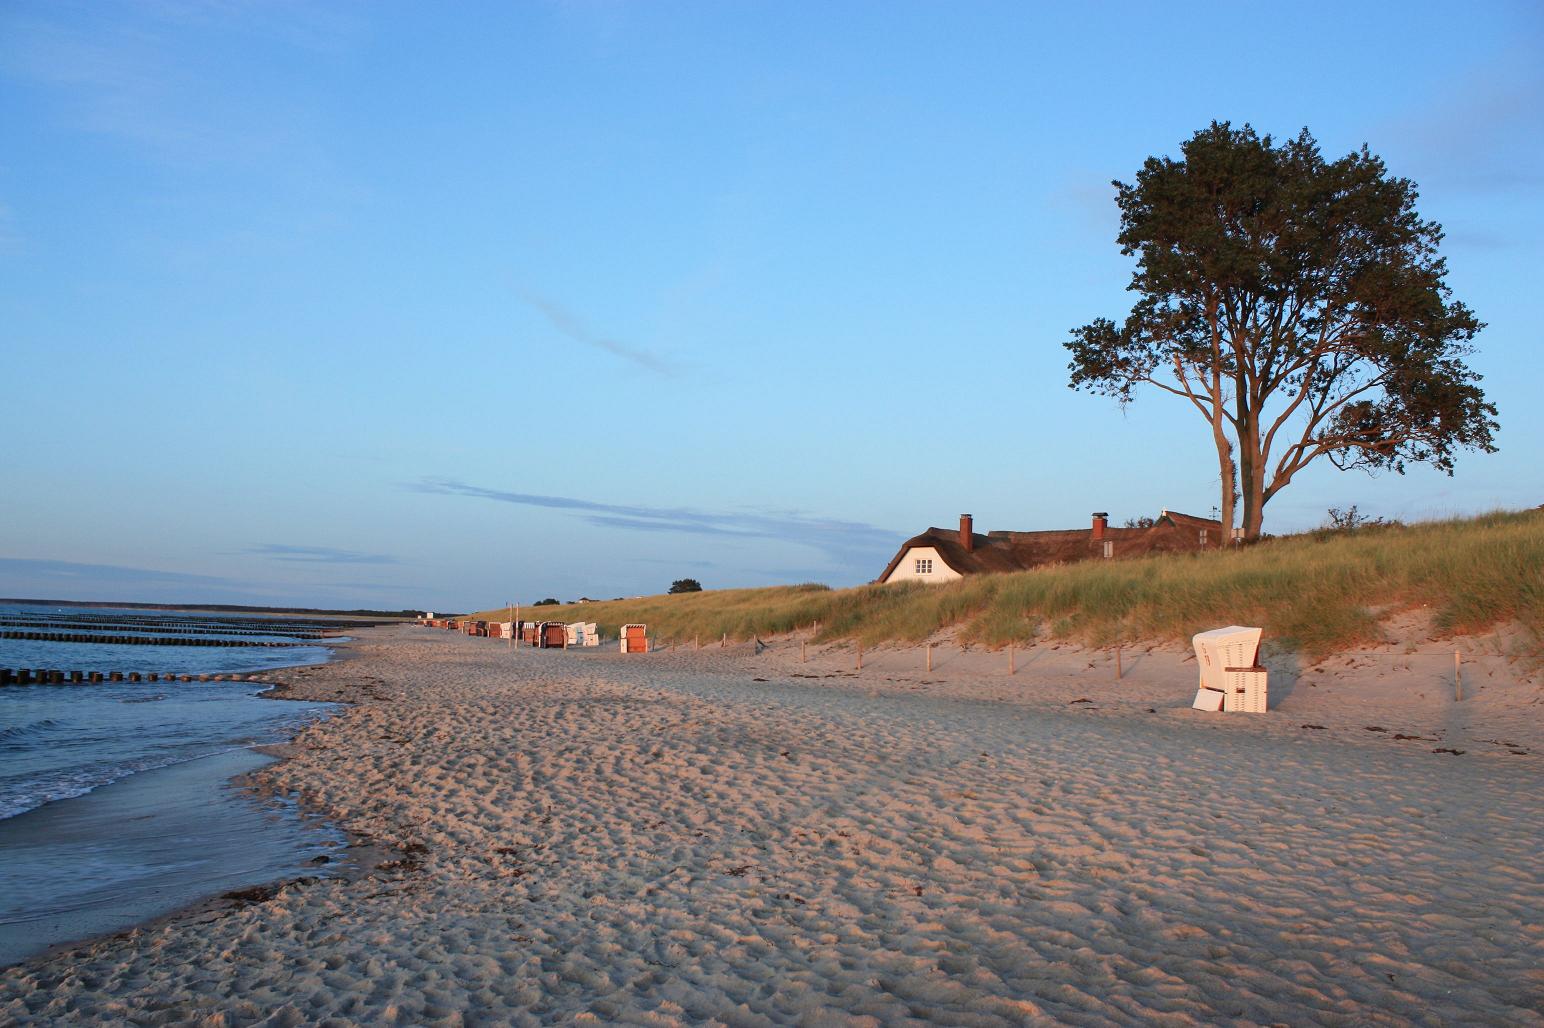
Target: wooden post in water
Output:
[{"x": 1458, "y": 677}]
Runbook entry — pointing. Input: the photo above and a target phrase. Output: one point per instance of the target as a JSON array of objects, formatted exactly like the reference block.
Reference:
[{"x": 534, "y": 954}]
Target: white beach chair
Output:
[{"x": 1231, "y": 677}]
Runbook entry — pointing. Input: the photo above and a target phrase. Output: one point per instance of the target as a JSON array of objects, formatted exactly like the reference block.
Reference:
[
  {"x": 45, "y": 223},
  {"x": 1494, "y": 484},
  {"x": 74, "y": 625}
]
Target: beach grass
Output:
[{"x": 1316, "y": 593}]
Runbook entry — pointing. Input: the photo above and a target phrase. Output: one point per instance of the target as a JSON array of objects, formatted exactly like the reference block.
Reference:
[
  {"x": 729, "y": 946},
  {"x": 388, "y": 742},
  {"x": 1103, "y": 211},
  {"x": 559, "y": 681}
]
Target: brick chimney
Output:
[
  {"x": 1101, "y": 522},
  {"x": 967, "y": 533}
]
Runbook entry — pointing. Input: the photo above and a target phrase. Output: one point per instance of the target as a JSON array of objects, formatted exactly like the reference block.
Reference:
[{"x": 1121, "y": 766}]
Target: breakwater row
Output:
[
  {"x": 53, "y": 676},
  {"x": 219, "y": 626},
  {"x": 97, "y": 626},
  {"x": 138, "y": 640}
]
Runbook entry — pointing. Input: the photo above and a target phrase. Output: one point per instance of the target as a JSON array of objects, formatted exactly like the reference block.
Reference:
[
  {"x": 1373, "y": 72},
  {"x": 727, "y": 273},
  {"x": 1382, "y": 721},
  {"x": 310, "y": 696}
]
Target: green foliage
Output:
[
  {"x": 548, "y": 602},
  {"x": 1314, "y": 594},
  {"x": 1299, "y": 305},
  {"x": 686, "y": 585}
]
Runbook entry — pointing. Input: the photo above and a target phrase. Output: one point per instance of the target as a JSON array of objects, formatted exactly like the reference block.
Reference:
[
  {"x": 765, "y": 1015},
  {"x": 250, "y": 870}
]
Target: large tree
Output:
[{"x": 1298, "y": 305}]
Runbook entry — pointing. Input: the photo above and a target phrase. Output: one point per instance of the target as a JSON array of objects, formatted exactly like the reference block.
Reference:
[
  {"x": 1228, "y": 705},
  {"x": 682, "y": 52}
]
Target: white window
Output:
[
  {"x": 923, "y": 566},
  {"x": 1203, "y": 537},
  {"x": 1109, "y": 547}
]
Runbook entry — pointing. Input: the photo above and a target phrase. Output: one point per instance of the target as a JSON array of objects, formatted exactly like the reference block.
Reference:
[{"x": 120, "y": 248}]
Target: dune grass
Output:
[{"x": 1315, "y": 593}]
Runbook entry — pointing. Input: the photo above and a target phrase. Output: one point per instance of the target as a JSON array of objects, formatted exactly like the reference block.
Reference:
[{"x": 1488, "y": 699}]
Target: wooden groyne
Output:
[
  {"x": 54, "y": 676},
  {"x": 139, "y": 640},
  {"x": 164, "y": 627}
]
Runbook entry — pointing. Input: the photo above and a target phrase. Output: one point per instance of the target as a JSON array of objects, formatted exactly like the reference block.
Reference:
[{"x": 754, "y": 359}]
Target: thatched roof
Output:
[{"x": 1019, "y": 551}]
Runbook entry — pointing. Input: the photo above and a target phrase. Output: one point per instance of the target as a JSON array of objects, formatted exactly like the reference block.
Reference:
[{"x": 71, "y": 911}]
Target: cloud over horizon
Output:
[
  {"x": 72, "y": 572},
  {"x": 849, "y": 543},
  {"x": 317, "y": 554}
]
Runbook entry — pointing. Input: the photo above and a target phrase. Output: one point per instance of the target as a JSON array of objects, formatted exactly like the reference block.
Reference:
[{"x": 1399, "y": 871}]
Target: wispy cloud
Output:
[
  {"x": 318, "y": 555},
  {"x": 570, "y": 325},
  {"x": 673, "y": 562},
  {"x": 67, "y": 572},
  {"x": 850, "y": 543},
  {"x": 142, "y": 74},
  {"x": 71, "y": 579}
]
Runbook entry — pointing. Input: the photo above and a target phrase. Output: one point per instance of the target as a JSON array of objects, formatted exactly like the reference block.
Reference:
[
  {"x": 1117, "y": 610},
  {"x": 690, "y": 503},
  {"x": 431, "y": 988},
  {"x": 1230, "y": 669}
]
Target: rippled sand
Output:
[{"x": 663, "y": 839}]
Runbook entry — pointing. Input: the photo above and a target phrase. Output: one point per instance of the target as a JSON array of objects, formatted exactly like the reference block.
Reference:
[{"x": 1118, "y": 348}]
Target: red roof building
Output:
[{"x": 944, "y": 555}]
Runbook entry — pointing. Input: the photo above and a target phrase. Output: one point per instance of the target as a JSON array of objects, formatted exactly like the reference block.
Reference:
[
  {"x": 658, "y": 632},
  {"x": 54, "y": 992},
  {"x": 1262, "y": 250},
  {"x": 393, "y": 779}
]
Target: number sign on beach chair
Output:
[{"x": 1231, "y": 676}]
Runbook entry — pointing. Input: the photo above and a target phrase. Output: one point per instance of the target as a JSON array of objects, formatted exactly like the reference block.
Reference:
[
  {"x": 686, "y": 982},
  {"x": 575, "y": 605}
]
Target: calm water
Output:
[
  {"x": 62, "y": 740},
  {"x": 114, "y": 805}
]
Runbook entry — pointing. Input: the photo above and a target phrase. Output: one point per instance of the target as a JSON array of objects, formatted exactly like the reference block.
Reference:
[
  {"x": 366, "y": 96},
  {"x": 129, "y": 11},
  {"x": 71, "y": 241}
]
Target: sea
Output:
[{"x": 116, "y": 801}]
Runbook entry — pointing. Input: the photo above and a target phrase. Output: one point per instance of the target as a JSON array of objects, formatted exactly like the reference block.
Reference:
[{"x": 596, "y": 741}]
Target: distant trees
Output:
[
  {"x": 686, "y": 585},
  {"x": 548, "y": 602},
  {"x": 1145, "y": 521},
  {"x": 1350, "y": 519},
  {"x": 1298, "y": 305}
]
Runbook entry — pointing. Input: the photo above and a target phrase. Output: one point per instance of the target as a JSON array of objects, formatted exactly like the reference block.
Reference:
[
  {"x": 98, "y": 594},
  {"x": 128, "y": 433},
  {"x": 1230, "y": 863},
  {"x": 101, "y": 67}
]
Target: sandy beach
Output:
[{"x": 718, "y": 836}]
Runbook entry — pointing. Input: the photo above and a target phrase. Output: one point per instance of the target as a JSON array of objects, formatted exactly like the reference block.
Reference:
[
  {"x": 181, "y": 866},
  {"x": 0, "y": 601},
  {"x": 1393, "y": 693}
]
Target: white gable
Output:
[{"x": 922, "y": 564}]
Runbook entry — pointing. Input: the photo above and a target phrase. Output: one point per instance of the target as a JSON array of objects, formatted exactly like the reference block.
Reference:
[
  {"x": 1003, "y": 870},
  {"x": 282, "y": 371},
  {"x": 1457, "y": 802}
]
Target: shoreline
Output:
[
  {"x": 218, "y": 786},
  {"x": 568, "y": 833},
  {"x": 185, "y": 837}
]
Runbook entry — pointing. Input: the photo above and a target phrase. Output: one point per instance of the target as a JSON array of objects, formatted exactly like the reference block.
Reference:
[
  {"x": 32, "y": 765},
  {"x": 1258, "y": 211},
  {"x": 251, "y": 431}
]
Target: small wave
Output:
[
  {"x": 19, "y": 733},
  {"x": 79, "y": 781},
  {"x": 145, "y": 699}
]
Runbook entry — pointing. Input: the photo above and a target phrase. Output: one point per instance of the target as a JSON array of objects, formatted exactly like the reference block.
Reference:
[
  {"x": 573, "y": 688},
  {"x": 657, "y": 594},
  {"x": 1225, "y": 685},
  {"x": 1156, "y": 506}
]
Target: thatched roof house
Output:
[{"x": 944, "y": 554}]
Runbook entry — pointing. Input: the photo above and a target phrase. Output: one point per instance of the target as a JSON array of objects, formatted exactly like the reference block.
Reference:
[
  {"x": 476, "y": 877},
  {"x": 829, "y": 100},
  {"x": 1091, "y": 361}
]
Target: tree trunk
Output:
[
  {"x": 1251, "y": 475},
  {"x": 1227, "y": 474}
]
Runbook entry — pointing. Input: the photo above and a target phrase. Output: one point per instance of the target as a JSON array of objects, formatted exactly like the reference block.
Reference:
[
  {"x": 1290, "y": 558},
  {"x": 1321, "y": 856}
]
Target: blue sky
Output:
[{"x": 398, "y": 305}]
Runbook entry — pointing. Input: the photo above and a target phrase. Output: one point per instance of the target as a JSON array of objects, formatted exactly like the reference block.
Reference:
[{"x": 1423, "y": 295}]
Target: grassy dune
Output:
[{"x": 1316, "y": 593}]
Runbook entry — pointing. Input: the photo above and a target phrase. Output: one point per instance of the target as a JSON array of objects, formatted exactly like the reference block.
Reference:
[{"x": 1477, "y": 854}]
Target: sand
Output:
[{"x": 666, "y": 839}]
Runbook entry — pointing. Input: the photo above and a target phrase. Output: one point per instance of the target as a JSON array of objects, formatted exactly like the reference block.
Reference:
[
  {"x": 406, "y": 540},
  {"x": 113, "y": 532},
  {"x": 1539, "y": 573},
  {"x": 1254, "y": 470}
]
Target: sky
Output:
[{"x": 400, "y": 305}]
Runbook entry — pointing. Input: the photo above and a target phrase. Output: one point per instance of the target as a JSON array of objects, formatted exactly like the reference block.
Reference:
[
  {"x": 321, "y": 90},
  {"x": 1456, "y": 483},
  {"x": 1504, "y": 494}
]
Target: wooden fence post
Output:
[
  {"x": 1010, "y": 660},
  {"x": 803, "y": 656},
  {"x": 860, "y": 654},
  {"x": 930, "y": 657},
  {"x": 1458, "y": 677},
  {"x": 1117, "y": 662}
]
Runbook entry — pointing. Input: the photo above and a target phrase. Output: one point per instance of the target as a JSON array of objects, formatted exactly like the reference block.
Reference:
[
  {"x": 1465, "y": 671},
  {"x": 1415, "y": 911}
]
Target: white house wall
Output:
[{"x": 906, "y": 571}]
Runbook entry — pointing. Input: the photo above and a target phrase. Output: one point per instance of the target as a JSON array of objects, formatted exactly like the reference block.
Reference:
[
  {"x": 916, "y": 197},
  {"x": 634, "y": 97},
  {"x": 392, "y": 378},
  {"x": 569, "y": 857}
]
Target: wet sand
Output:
[{"x": 712, "y": 837}]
